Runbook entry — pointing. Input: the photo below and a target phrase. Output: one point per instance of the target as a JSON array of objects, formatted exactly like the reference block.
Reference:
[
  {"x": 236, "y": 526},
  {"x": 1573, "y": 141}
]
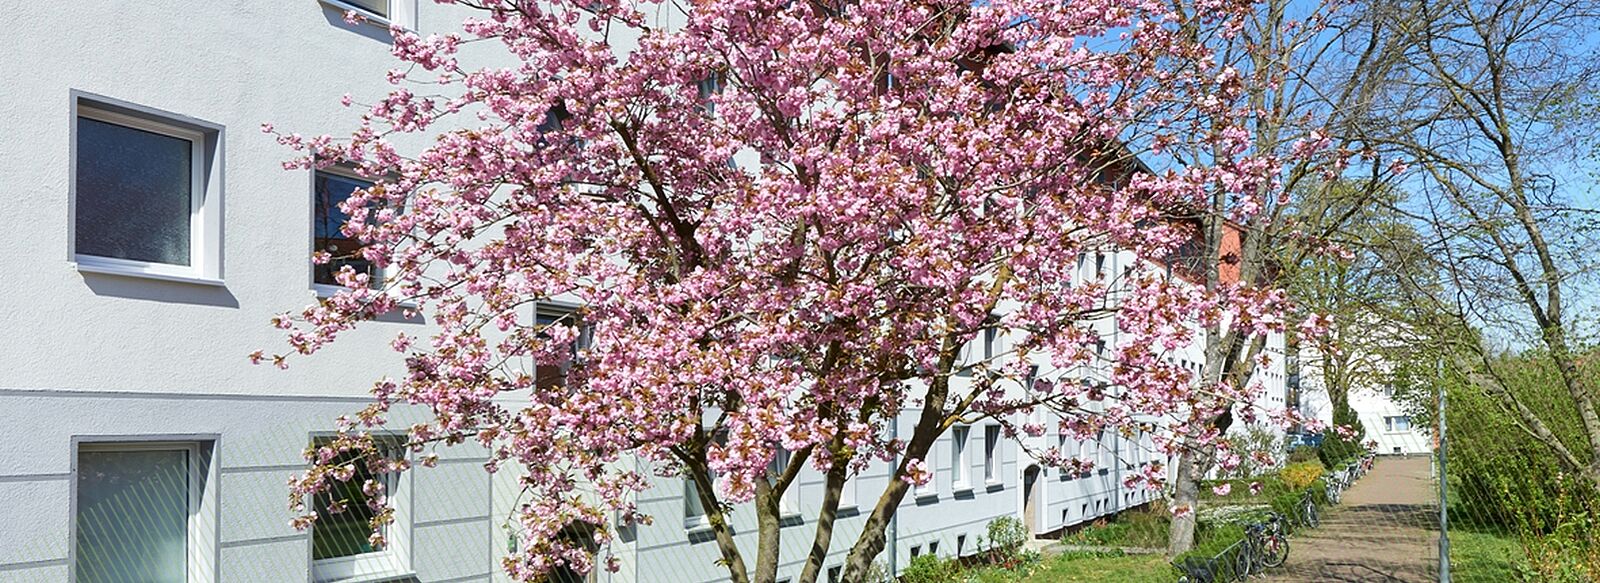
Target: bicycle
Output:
[
  {"x": 1265, "y": 546},
  {"x": 1308, "y": 511},
  {"x": 1335, "y": 485},
  {"x": 1197, "y": 570}
]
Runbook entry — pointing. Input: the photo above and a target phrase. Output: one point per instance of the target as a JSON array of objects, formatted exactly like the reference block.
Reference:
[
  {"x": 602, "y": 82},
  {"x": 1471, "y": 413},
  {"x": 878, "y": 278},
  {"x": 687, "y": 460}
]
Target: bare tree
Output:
[
  {"x": 1323, "y": 67},
  {"x": 1496, "y": 105}
]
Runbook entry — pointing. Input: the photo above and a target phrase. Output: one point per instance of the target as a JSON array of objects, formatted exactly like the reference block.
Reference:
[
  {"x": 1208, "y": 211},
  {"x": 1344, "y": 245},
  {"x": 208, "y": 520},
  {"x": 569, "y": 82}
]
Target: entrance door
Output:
[{"x": 1030, "y": 499}]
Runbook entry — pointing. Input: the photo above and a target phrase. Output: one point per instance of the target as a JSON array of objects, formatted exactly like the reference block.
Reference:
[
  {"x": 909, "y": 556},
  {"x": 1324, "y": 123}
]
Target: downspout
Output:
[
  {"x": 894, "y": 519},
  {"x": 1116, "y": 447}
]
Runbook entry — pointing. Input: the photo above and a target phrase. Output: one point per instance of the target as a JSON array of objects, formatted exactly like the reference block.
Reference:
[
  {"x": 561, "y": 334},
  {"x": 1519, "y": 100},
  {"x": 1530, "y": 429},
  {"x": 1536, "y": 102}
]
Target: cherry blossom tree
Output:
[{"x": 782, "y": 222}]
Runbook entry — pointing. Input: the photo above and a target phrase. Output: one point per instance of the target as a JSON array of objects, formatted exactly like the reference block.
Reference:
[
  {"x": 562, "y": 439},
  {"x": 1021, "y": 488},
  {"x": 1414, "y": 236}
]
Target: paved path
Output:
[{"x": 1384, "y": 532}]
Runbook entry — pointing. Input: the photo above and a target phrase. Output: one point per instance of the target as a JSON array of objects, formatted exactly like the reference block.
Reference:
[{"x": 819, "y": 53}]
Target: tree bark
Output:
[
  {"x": 931, "y": 423},
  {"x": 823, "y": 538}
]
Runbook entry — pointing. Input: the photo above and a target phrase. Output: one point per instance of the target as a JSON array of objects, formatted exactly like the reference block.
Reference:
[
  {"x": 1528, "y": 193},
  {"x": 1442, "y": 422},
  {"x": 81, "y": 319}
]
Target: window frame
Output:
[
  {"x": 961, "y": 457},
  {"x": 328, "y": 290},
  {"x": 205, "y": 192},
  {"x": 202, "y": 547},
  {"x": 992, "y": 434},
  {"x": 848, "y": 499},
  {"x": 395, "y": 559},
  {"x": 789, "y": 502},
  {"x": 402, "y": 13}
]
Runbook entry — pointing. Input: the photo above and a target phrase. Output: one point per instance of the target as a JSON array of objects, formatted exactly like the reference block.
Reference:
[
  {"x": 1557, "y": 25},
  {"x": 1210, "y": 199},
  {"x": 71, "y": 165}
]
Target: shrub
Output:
[
  {"x": 1305, "y": 453},
  {"x": 1006, "y": 536},
  {"x": 1299, "y": 476},
  {"x": 930, "y": 569}
]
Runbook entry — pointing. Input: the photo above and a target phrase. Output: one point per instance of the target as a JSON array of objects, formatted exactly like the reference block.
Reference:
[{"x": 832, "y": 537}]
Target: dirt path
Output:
[{"x": 1384, "y": 532}]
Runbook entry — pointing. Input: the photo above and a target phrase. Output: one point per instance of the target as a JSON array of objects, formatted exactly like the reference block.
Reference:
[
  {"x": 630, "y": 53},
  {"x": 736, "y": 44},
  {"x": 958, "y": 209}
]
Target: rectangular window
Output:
[
  {"x": 694, "y": 513},
  {"x": 341, "y": 547},
  {"x": 961, "y": 465},
  {"x": 552, "y": 316},
  {"x": 789, "y": 503},
  {"x": 331, "y": 188},
  {"x": 378, "y": 8},
  {"x": 991, "y": 453},
  {"x": 1397, "y": 424},
  {"x": 143, "y": 202},
  {"x": 847, "y": 494},
  {"x": 141, "y": 513}
]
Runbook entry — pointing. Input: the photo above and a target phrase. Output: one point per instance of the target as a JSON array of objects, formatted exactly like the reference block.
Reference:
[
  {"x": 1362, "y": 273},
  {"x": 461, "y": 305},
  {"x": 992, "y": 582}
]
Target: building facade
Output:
[
  {"x": 154, "y": 234},
  {"x": 1371, "y": 397}
]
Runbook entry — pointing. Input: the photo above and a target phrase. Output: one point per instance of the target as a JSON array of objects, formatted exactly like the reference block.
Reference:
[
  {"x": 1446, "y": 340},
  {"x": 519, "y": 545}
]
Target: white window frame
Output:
[
  {"x": 694, "y": 513},
  {"x": 930, "y": 489},
  {"x": 395, "y": 558},
  {"x": 1391, "y": 423},
  {"x": 961, "y": 457},
  {"x": 992, "y": 434},
  {"x": 847, "y": 494},
  {"x": 202, "y": 552},
  {"x": 402, "y": 13},
  {"x": 205, "y": 191},
  {"x": 789, "y": 502},
  {"x": 325, "y": 290}
]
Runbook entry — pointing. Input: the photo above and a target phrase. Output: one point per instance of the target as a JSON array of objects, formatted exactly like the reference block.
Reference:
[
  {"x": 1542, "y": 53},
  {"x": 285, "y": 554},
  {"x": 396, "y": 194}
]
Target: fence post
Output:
[{"x": 1444, "y": 490}]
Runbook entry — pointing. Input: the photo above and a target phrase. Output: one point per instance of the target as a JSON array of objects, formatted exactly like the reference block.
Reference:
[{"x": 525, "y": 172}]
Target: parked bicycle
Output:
[
  {"x": 1198, "y": 570},
  {"x": 1265, "y": 546},
  {"x": 1334, "y": 486},
  {"x": 1308, "y": 511}
]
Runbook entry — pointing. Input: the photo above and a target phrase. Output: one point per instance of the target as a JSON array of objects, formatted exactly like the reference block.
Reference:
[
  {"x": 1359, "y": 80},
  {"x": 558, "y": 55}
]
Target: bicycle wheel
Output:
[
  {"x": 1244, "y": 562},
  {"x": 1274, "y": 551},
  {"x": 1311, "y": 515}
]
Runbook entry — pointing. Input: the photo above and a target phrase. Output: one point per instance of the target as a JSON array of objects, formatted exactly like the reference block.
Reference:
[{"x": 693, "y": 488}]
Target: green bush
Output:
[
  {"x": 930, "y": 569},
  {"x": 1006, "y": 535}
]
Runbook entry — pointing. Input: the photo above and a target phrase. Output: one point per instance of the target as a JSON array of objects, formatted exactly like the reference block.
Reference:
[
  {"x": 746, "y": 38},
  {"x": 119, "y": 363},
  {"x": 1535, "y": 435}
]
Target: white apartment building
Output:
[
  {"x": 1372, "y": 399},
  {"x": 152, "y": 234}
]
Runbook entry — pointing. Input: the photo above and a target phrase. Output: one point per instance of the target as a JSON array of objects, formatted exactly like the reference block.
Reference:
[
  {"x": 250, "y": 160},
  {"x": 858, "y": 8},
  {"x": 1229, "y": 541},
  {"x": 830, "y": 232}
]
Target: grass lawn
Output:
[
  {"x": 1098, "y": 567},
  {"x": 1478, "y": 556}
]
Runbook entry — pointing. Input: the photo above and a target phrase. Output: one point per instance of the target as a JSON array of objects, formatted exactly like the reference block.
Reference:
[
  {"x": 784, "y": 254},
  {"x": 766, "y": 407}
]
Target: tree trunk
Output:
[
  {"x": 1186, "y": 492},
  {"x": 698, "y": 471},
  {"x": 825, "y": 517},
  {"x": 929, "y": 426},
  {"x": 769, "y": 532}
]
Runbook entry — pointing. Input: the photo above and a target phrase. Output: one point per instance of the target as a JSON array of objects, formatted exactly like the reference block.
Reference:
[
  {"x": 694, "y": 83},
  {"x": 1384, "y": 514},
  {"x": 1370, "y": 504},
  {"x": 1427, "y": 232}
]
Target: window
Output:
[
  {"x": 332, "y": 187},
  {"x": 961, "y": 545},
  {"x": 368, "y": 8},
  {"x": 933, "y": 548},
  {"x": 1086, "y": 448},
  {"x": 960, "y": 464},
  {"x": 340, "y": 538},
  {"x": 991, "y": 453},
  {"x": 1397, "y": 424},
  {"x": 835, "y": 574},
  {"x": 694, "y": 512},
  {"x": 549, "y": 375},
  {"x": 916, "y": 550},
  {"x": 143, "y": 512},
  {"x": 706, "y": 90},
  {"x": 789, "y": 503},
  {"x": 847, "y": 494},
  {"x": 143, "y": 200}
]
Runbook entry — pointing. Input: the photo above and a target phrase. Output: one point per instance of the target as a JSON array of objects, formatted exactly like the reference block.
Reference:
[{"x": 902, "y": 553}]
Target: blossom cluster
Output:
[{"x": 780, "y": 222}]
